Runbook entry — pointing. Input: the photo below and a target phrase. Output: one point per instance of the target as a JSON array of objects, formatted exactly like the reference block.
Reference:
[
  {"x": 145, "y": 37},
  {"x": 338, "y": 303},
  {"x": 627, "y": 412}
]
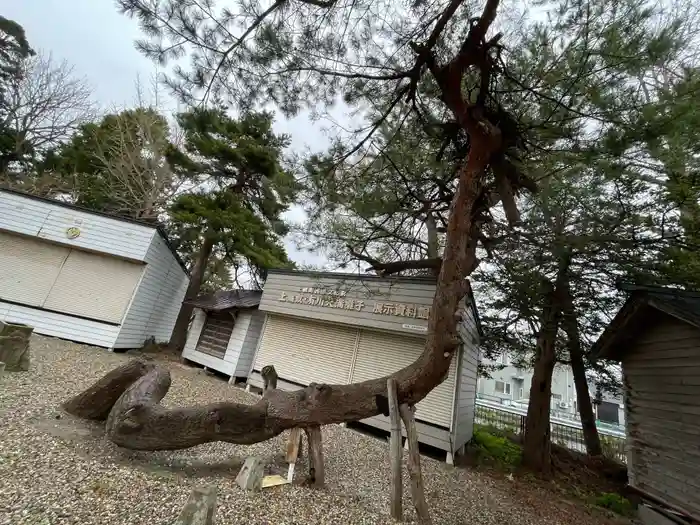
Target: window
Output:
[
  {"x": 502, "y": 387},
  {"x": 556, "y": 397},
  {"x": 503, "y": 359},
  {"x": 521, "y": 393}
]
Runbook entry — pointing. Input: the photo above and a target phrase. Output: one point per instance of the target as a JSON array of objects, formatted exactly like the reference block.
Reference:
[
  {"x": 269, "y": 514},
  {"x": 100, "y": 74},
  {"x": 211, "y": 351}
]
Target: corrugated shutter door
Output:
[
  {"x": 382, "y": 354},
  {"x": 95, "y": 286},
  {"x": 28, "y": 268},
  {"x": 214, "y": 338},
  {"x": 305, "y": 351}
]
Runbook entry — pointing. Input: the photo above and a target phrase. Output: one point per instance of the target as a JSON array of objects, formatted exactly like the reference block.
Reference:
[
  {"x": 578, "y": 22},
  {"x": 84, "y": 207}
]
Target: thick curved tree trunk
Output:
[{"x": 138, "y": 421}]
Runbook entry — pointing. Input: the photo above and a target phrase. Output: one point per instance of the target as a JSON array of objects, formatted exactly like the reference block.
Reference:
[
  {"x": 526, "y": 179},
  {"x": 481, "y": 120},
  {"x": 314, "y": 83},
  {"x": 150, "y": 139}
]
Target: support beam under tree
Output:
[
  {"x": 14, "y": 346},
  {"x": 395, "y": 452},
  {"x": 414, "y": 470},
  {"x": 293, "y": 451},
  {"x": 316, "y": 469}
]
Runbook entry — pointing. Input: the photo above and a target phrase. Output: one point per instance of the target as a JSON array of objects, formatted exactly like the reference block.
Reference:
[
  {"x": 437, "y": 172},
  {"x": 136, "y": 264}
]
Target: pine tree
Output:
[{"x": 242, "y": 190}]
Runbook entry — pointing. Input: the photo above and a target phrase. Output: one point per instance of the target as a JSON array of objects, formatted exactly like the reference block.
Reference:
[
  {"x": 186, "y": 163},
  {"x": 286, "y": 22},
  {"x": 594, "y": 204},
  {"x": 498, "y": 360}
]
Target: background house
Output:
[
  {"x": 345, "y": 328},
  {"x": 656, "y": 337},
  {"x": 510, "y": 386},
  {"x": 224, "y": 332},
  {"x": 86, "y": 276}
]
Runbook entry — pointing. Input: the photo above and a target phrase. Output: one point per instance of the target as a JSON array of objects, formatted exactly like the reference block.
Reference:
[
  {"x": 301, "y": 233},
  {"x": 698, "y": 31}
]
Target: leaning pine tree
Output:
[{"x": 129, "y": 397}]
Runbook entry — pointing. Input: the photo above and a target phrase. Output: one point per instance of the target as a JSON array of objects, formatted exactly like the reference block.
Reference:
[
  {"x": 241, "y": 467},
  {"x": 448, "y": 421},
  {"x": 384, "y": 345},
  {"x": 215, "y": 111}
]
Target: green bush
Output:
[
  {"x": 614, "y": 502},
  {"x": 499, "y": 448}
]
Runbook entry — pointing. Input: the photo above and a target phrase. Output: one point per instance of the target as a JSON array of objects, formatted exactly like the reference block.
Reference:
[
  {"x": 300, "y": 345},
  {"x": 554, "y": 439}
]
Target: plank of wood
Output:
[
  {"x": 316, "y": 471},
  {"x": 396, "y": 450},
  {"x": 414, "y": 470},
  {"x": 293, "y": 445}
]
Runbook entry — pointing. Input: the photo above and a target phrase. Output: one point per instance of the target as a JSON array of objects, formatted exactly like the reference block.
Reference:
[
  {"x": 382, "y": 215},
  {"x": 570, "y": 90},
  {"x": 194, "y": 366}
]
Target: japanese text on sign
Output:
[{"x": 343, "y": 303}]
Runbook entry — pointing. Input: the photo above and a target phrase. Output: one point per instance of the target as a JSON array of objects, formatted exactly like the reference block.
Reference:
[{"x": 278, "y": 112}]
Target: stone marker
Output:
[
  {"x": 200, "y": 508},
  {"x": 2, "y": 368},
  {"x": 251, "y": 475},
  {"x": 14, "y": 346}
]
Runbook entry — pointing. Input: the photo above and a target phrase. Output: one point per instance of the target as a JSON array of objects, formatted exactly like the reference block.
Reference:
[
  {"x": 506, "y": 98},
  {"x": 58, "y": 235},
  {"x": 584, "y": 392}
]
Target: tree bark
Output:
[
  {"x": 537, "y": 444},
  {"x": 179, "y": 335},
  {"x": 317, "y": 474},
  {"x": 583, "y": 398}
]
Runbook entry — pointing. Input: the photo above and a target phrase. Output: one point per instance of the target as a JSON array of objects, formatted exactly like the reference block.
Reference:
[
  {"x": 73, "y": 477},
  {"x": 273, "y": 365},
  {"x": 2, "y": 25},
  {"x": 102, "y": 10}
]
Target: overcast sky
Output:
[{"x": 99, "y": 43}]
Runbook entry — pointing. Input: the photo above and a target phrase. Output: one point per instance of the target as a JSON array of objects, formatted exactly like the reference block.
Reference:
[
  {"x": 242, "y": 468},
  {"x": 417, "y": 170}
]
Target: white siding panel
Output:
[
  {"x": 50, "y": 221},
  {"x": 466, "y": 386},
  {"x": 380, "y": 354},
  {"x": 60, "y": 325},
  {"x": 195, "y": 329},
  {"x": 235, "y": 343},
  {"x": 28, "y": 268},
  {"x": 95, "y": 286},
  {"x": 250, "y": 344},
  {"x": 157, "y": 300},
  {"x": 304, "y": 351}
]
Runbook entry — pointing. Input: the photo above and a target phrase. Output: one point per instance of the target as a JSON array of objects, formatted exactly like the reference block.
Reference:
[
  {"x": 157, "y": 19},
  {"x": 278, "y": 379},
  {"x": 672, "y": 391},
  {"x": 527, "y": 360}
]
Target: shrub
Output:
[
  {"x": 614, "y": 502},
  {"x": 499, "y": 448}
]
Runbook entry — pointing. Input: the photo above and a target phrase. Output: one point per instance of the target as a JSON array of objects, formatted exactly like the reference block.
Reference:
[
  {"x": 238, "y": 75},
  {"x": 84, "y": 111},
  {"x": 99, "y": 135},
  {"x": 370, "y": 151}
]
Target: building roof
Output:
[
  {"x": 641, "y": 310},
  {"x": 420, "y": 279},
  {"x": 157, "y": 227},
  {"x": 227, "y": 299}
]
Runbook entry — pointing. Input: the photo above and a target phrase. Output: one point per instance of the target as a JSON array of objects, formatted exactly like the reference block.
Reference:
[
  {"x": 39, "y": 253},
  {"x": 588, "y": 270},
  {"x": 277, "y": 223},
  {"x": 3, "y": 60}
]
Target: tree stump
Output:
[
  {"x": 200, "y": 507},
  {"x": 14, "y": 346}
]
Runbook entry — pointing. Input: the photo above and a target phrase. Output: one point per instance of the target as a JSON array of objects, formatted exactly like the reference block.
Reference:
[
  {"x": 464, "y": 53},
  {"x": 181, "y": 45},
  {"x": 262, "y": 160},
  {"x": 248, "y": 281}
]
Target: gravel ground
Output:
[{"x": 57, "y": 470}]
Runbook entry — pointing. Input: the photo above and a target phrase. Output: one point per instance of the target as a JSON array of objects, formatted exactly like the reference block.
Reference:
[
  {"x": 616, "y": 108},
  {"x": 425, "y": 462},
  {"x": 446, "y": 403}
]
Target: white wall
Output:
[
  {"x": 157, "y": 300},
  {"x": 49, "y": 221},
  {"x": 60, "y": 325}
]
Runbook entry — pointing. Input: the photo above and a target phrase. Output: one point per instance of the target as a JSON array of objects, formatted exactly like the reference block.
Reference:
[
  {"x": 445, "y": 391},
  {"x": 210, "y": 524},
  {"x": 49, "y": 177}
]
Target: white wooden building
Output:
[
  {"x": 224, "y": 332},
  {"x": 86, "y": 276},
  {"x": 344, "y": 328},
  {"x": 656, "y": 338}
]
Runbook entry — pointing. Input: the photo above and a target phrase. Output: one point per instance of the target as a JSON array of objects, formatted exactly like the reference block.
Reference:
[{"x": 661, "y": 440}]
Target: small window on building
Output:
[
  {"x": 502, "y": 387},
  {"x": 522, "y": 393},
  {"x": 556, "y": 397}
]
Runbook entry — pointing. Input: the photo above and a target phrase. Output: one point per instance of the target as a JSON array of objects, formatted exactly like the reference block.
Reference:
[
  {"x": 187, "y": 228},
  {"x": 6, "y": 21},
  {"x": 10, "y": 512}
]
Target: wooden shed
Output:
[
  {"x": 346, "y": 328},
  {"x": 224, "y": 332},
  {"x": 86, "y": 276},
  {"x": 656, "y": 338}
]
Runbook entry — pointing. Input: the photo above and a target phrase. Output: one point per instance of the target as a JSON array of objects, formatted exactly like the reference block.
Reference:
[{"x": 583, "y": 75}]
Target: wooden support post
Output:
[
  {"x": 292, "y": 453},
  {"x": 269, "y": 377},
  {"x": 316, "y": 471},
  {"x": 396, "y": 450},
  {"x": 414, "y": 470}
]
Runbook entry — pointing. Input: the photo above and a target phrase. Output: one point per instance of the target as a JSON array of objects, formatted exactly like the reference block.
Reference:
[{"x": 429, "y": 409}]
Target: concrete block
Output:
[
  {"x": 200, "y": 508},
  {"x": 251, "y": 475}
]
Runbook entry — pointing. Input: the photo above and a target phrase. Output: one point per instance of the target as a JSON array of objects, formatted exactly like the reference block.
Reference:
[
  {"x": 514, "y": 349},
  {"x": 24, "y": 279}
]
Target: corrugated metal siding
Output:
[
  {"x": 95, "y": 286},
  {"x": 662, "y": 383},
  {"x": 250, "y": 343},
  {"x": 304, "y": 351},
  {"x": 28, "y": 268},
  {"x": 157, "y": 300},
  {"x": 371, "y": 292},
  {"x": 50, "y": 221},
  {"x": 59, "y": 325},
  {"x": 380, "y": 354},
  {"x": 215, "y": 335},
  {"x": 467, "y": 370}
]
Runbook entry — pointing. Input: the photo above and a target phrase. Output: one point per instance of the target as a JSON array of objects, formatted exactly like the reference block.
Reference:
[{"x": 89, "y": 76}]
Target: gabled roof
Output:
[
  {"x": 159, "y": 228},
  {"x": 227, "y": 299},
  {"x": 640, "y": 310}
]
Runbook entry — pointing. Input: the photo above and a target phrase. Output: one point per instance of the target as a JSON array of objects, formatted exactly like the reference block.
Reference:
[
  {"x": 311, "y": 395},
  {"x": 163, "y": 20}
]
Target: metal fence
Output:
[{"x": 567, "y": 436}]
